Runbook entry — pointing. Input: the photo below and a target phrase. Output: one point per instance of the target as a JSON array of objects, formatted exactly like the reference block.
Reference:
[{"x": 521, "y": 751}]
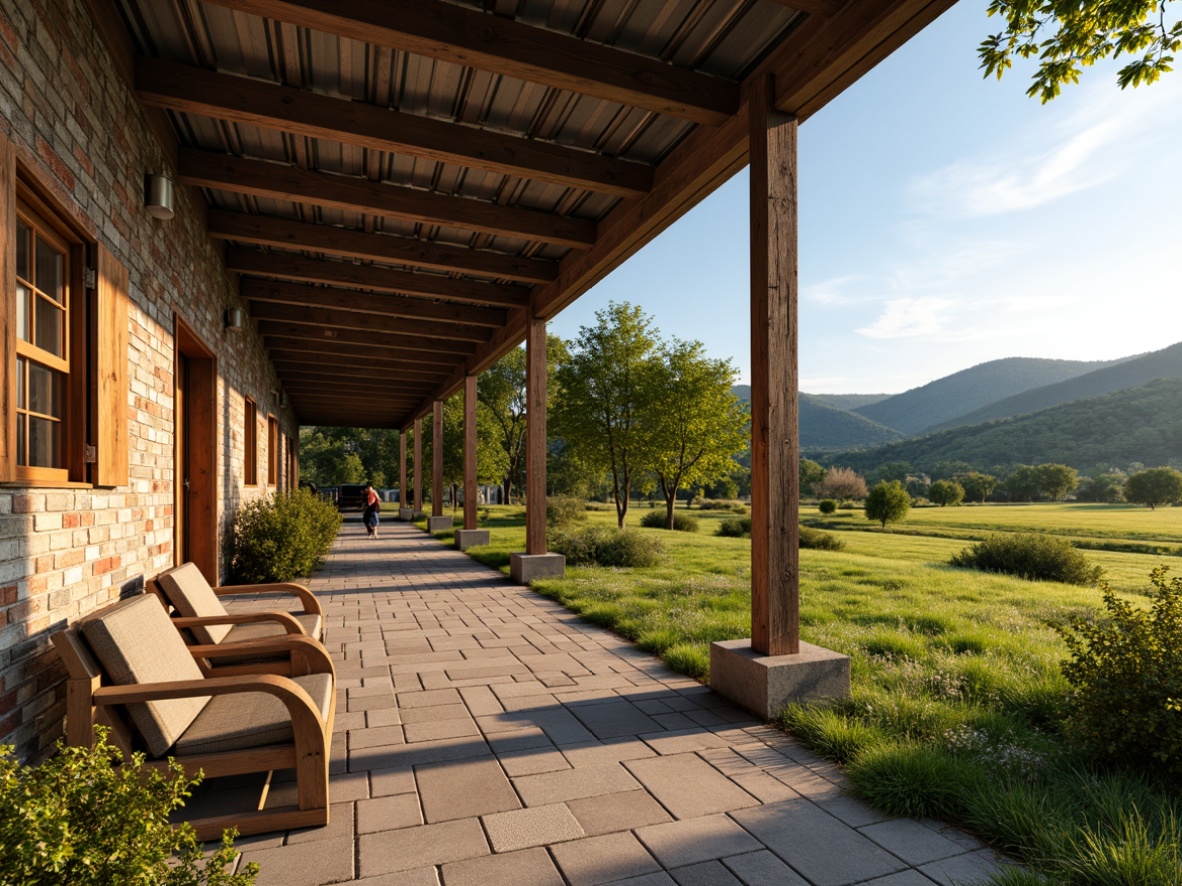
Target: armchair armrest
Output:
[
  {"x": 315, "y": 657},
  {"x": 289, "y": 622},
  {"x": 291, "y": 588}
]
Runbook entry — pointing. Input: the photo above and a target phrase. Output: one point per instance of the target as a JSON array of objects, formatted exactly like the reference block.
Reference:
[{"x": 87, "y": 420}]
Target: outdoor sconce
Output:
[
  {"x": 234, "y": 319},
  {"x": 283, "y": 399},
  {"x": 159, "y": 198}
]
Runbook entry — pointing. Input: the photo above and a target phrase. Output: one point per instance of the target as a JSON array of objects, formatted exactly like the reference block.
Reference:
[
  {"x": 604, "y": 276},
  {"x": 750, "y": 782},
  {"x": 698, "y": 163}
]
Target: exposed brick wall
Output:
[{"x": 64, "y": 552}]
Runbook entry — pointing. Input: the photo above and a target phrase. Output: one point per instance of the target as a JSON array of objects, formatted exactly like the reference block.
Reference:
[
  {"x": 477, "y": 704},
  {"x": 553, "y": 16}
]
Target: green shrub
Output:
[
  {"x": 563, "y": 510},
  {"x": 605, "y": 546},
  {"x": 817, "y": 540},
  {"x": 682, "y": 522},
  {"x": 283, "y": 537},
  {"x": 1126, "y": 671},
  {"x": 1030, "y": 556},
  {"x": 738, "y": 507},
  {"x": 712, "y": 504},
  {"x": 735, "y": 527},
  {"x": 827, "y": 506},
  {"x": 80, "y": 819}
]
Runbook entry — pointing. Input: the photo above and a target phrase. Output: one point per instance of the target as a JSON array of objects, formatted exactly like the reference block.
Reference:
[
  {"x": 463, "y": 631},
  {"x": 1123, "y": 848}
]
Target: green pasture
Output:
[{"x": 958, "y": 699}]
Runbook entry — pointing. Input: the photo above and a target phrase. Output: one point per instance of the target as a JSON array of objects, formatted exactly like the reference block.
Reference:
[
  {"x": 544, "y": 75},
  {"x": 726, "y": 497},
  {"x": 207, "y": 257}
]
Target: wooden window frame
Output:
[
  {"x": 250, "y": 442},
  {"x": 272, "y": 451}
]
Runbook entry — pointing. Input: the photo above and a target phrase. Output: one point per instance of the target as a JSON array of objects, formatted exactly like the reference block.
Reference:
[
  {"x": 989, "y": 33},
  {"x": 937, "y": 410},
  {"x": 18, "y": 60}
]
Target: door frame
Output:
[{"x": 200, "y": 414}]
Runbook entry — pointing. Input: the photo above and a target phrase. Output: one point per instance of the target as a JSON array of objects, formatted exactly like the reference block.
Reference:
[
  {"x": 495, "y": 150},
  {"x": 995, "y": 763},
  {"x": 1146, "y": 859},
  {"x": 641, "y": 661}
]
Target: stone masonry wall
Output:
[{"x": 80, "y": 133}]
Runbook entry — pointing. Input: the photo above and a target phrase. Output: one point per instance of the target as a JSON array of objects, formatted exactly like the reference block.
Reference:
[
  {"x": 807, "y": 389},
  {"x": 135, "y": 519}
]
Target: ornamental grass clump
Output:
[
  {"x": 82, "y": 819},
  {"x": 1126, "y": 673},
  {"x": 735, "y": 527},
  {"x": 605, "y": 546},
  {"x": 660, "y": 520},
  {"x": 816, "y": 540},
  {"x": 283, "y": 537},
  {"x": 1030, "y": 556},
  {"x": 563, "y": 510}
]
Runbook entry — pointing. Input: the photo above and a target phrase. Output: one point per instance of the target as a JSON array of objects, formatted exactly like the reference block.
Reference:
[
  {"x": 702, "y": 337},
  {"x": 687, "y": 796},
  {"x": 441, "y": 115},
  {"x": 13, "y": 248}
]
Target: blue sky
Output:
[{"x": 946, "y": 220}]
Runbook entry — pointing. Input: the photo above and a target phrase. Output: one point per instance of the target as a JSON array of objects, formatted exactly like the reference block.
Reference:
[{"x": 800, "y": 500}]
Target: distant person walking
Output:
[{"x": 369, "y": 517}]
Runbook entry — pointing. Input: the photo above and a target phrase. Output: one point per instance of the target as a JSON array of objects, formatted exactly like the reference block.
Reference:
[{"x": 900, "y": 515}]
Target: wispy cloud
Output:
[
  {"x": 836, "y": 291},
  {"x": 909, "y": 318}
]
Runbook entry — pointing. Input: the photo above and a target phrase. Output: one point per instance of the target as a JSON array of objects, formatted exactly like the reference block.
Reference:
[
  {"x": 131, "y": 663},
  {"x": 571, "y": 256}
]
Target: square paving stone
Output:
[
  {"x": 574, "y": 784},
  {"x": 679, "y": 843},
  {"x": 688, "y": 786},
  {"x": 429, "y": 844},
  {"x": 530, "y": 867},
  {"x": 376, "y": 737},
  {"x": 903, "y": 878},
  {"x": 708, "y": 873},
  {"x": 763, "y": 869},
  {"x": 615, "y": 719},
  {"x": 597, "y": 860},
  {"x": 616, "y": 751},
  {"x": 823, "y": 849},
  {"x": 965, "y": 870},
  {"x": 384, "y": 782},
  {"x": 431, "y": 697},
  {"x": 441, "y": 729},
  {"x": 532, "y": 761},
  {"x": 913, "y": 842},
  {"x": 683, "y": 741},
  {"x": 536, "y": 826},
  {"x": 417, "y": 877},
  {"x": 304, "y": 864},
  {"x": 617, "y": 812},
  {"x": 464, "y": 789},
  {"x": 388, "y": 813},
  {"x": 435, "y": 713}
]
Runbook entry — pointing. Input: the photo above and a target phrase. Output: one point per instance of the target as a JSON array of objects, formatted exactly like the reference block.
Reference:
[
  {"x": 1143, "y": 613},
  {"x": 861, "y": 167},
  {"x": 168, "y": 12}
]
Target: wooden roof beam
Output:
[
  {"x": 392, "y": 342},
  {"x": 294, "y": 266},
  {"x": 277, "y": 339},
  {"x": 278, "y": 181},
  {"x": 164, "y": 84},
  {"x": 337, "y": 318},
  {"x": 462, "y": 36},
  {"x": 290, "y": 372},
  {"x": 382, "y": 305},
  {"x": 269, "y": 231},
  {"x": 314, "y": 357},
  {"x": 823, "y": 8}
]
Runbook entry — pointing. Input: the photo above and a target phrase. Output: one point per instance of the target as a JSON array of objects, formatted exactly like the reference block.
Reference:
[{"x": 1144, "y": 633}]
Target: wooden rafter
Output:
[
  {"x": 813, "y": 7},
  {"x": 304, "y": 355},
  {"x": 451, "y": 33},
  {"x": 293, "y": 266},
  {"x": 393, "y": 342},
  {"x": 283, "y": 293},
  {"x": 268, "y": 231},
  {"x": 194, "y": 90},
  {"x": 337, "y": 318},
  {"x": 276, "y": 338},
  {"x": 261, "y": 178}
]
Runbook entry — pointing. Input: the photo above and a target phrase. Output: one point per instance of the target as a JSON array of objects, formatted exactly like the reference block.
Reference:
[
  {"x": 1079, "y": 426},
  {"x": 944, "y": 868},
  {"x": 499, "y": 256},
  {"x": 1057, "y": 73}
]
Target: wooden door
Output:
[{"x": 196, "y": 489}]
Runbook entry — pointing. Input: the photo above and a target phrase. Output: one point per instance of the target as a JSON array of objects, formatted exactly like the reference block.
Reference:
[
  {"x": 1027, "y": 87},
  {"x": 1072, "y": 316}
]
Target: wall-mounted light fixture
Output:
[
  {"x": 283, "y": 399},
  {"x": 159, "y": 197},
  {"x": 233, "y": 319}
]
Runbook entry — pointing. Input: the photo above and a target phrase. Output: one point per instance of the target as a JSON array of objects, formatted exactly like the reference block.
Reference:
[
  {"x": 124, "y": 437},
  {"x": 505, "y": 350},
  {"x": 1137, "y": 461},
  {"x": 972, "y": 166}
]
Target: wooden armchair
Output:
[
  {"x": 130, "y": 670},
  {"x": 204, "y": 617}
]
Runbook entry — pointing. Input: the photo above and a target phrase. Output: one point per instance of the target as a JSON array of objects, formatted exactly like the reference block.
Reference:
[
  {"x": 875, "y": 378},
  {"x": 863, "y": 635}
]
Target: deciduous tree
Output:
[
  {"x": 977, "y": 486},
  {"x": 1156, "y": 486},
  {"x": 888, "y": 502},
  {"x": 1056, "y": 482},
  {"x": 946, "y": 492},
  {"x": 491, "y": 460},
  {"x": 842, "y": 484},
  {"x": 811, "y": 474}
]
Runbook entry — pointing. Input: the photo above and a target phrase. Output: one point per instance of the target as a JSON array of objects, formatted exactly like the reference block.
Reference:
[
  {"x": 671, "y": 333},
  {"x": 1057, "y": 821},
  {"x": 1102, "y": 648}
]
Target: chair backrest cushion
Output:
[
  {"x": 135, "y": 642},
  {"x": 187, "y": 590}
]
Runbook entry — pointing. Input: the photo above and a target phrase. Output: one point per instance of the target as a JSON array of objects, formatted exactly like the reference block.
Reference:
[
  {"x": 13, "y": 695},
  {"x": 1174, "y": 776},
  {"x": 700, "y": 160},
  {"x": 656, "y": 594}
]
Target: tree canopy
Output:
[
  {"x": 887, "y": 502},
  {"x": 1156, "y": 486},
  {"x": 1068, "y": 35}
]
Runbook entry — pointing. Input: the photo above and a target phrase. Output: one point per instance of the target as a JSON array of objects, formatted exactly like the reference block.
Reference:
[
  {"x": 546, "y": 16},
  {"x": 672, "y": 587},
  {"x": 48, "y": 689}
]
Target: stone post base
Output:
[
  {"x": 439, "y": 524},
  {"x": 766, "y": 684},
  {"x": 470, "y": 538},
  {"x": 524, "y": 568},
  {"x": 406, "y": 514}
]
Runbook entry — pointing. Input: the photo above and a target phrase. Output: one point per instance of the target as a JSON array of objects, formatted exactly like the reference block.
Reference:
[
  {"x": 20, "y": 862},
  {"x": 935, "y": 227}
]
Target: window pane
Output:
[
  {"x": 21, "y": 455},
  {"x": 22, "y": 312},
  {"x": 22, "y": 249},
  {"x": 44, "y": 390},
  {"x": 49, "y": 270},
  {"x": 48, "y": 326},
  {"x": 44, "y": 443},
  {"x": 20, "y": 383}
]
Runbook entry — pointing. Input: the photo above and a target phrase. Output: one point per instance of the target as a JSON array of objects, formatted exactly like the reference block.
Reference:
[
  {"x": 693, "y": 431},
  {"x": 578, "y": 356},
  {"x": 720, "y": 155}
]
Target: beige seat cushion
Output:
[
  {"x": 258, "y": 630},
  {"x": 250, "y": 720},
  {"x": 135, "y": 642},
  {"x": 187, "y": 590}
]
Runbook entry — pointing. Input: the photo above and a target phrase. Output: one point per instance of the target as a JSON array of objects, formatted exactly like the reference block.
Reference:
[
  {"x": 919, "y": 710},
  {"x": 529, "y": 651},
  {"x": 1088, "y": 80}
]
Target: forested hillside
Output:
[
  {"x": 849, "y": 401},
  {"x": 827, "y": 427},
  {"x": 946, "y": 398},
  {"x": 1166, "y": 363},
  {"x": 1143, "y": 424}
]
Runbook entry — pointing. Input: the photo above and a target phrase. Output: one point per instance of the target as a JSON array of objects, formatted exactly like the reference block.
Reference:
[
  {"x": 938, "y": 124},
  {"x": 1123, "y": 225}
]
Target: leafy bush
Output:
[
  {"x": 827, "y": 506},
  {"x": 80, "y": 819},
  {"x": 563, "y": 510},
  {"x": 605, "y": 546},
  {"x": 283, "y": 537},
  {"x": 735, "y": 527},
  {"x": 659, "y": 520},
  {"x": 712, "y": 504},
  {"x": 817, "y": 540},
  {"x": 1126, "y": 671},
  {"x": 1030, "y": 556}
]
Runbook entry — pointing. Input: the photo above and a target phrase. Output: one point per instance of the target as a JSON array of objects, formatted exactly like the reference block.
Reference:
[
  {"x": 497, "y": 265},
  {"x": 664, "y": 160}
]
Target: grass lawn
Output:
[{"x": 957, "y": 695}]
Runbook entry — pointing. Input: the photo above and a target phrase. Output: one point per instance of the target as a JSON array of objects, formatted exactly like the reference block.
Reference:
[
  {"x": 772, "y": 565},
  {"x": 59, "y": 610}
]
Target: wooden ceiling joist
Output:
[
  {"x": 336, "y": 318},
  {"x": 176, "y": 87},
  {"x": 402, "y": 380},
  {"x": 293, "y": 266},
  {"x": 392, "y": 342},
  {"x": 261, "y": 178},
  {"x": 389, "y": 393},
  {"x": 283, "y": 293},
  {"x": 824, "y": 8},
  {"x": 452, "y": 33},
  {"x": 304, "y": 354},
  {"x": 287, "y": 233},
  {"x": 431, "y": 361}
]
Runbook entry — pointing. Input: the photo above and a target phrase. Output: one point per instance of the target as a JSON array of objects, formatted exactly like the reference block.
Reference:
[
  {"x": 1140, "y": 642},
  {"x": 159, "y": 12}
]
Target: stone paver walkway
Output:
[{"x": 486, "y": 735}]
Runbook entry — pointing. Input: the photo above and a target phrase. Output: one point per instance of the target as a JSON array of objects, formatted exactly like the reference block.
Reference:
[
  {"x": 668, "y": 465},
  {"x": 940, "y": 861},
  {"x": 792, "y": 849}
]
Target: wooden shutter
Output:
[
  {"x": 7, "y": 310},
  {"x": 110, "y": 382}
]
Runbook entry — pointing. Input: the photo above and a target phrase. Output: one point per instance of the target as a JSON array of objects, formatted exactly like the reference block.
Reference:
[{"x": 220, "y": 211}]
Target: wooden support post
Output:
[
  {"x": 470, "y": 492},
  {"x": 418, "y": 501},
  {"x": 775, "y": 454},
  {"x": 402, "y": 469},
  {"x": 535, "y": 435},
  {"x": 437, "y": 461}
]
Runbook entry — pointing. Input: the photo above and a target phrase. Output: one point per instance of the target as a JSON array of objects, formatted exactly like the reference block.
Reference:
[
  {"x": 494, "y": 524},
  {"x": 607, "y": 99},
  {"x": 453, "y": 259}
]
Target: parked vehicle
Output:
[{"x": 351, "y": 497}]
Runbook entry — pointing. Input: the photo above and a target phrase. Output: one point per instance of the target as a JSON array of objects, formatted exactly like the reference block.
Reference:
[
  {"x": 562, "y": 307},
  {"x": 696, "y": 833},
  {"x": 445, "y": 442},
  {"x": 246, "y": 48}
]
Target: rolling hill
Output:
[
  {"x": 849, "y": 401},
  {"x": 1166, "y": 363},
  {"x": 944, "y": 399},
  {"x": 826, "y": 427},
  {"x": 1142, "y": 424}
]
